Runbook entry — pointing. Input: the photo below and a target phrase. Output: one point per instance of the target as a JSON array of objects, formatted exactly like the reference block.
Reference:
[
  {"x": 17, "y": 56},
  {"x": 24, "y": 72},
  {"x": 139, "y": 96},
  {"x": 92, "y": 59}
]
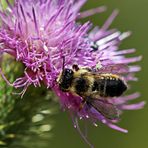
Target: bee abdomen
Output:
[{"x": 109, "y": 87}]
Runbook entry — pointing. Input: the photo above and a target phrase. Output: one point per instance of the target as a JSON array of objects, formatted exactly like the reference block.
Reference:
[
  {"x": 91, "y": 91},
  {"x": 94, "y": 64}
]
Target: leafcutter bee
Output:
[{"x": 94, "y": 87}]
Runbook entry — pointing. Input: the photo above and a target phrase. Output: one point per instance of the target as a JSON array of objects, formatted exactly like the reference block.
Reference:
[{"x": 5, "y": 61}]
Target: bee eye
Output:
[{"x": 68, "y": 72}]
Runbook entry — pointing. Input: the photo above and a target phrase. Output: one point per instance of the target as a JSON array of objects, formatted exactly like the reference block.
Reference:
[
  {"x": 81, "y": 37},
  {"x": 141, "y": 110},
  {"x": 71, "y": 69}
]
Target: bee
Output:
[{"x": 91, "y": 86}]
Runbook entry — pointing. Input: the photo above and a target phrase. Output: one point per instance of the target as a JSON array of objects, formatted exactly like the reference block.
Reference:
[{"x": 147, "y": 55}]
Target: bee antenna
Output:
[{"x": 63, "y": 63}]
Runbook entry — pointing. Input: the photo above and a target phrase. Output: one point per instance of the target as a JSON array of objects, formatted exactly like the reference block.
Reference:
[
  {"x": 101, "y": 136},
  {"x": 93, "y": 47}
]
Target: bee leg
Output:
[
  {"x": 85, "y": 100},
  {"x": 82, "y": 134},
  {"x": 82, "y": 104}
]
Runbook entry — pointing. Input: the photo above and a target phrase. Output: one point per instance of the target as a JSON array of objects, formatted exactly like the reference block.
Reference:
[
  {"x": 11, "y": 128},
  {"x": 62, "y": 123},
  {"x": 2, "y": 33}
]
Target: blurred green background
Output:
[{"x": 132, "y": 16}]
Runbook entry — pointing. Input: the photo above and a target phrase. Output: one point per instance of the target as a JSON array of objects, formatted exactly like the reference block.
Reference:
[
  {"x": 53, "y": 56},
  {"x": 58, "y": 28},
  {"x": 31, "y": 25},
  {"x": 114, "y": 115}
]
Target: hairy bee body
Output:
[
  {"x": 85, "y": 83},
  {"x": 92, "y": 86}
]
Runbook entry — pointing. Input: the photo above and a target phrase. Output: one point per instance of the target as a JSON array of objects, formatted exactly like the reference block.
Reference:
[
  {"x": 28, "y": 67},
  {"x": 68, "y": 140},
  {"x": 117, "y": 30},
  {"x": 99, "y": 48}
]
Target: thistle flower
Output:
[{"x": 40, "y": 33}]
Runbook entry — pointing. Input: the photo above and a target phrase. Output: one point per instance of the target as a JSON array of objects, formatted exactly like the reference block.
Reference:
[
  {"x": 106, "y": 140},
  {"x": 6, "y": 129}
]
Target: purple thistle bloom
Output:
[{"x": 40, "y": 33}]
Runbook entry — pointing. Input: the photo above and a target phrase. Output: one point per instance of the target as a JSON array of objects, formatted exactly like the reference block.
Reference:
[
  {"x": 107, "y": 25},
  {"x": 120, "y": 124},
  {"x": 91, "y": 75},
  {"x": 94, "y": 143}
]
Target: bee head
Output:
[{"x": 65, "y": 79}]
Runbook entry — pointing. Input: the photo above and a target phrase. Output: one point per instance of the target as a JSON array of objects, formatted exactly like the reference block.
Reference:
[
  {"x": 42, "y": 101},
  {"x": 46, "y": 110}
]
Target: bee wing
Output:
[
  {"x": 108, "y": 110},
  {"x": 115, "y": 69}
]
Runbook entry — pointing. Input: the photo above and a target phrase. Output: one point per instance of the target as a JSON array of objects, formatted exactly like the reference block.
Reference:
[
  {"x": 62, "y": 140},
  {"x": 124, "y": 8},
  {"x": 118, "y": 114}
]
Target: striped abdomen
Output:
[{"x": 109, "y": 85}]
